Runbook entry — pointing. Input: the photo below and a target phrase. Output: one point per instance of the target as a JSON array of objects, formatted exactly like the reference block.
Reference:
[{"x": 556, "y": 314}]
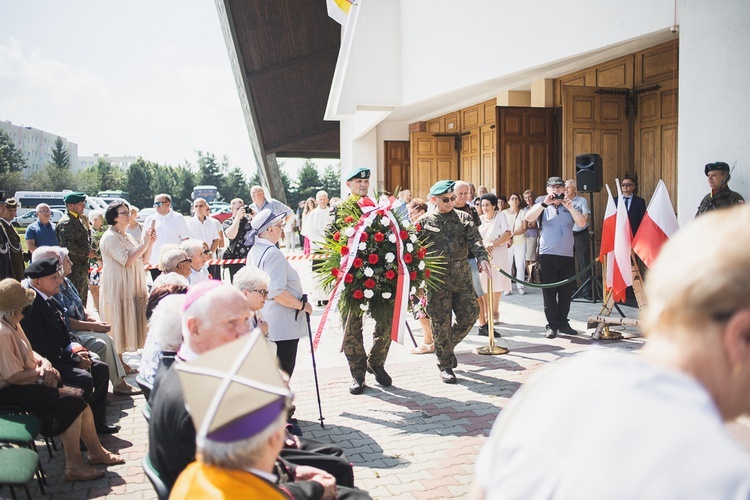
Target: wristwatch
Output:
[{"x": 544, "y": 205}]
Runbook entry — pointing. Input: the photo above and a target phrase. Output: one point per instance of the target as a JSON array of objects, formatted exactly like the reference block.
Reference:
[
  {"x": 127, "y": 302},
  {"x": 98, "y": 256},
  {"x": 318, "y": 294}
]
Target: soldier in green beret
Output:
[
  {"x": 451, "y": 233},
  {"x": 73, "y": 233},
  {"x": 720, "y": 196}
]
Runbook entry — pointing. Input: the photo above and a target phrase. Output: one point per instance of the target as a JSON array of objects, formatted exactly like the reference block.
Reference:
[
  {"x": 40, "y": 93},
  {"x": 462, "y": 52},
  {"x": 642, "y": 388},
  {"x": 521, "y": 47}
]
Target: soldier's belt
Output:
[{"x": 458, "y": 263}]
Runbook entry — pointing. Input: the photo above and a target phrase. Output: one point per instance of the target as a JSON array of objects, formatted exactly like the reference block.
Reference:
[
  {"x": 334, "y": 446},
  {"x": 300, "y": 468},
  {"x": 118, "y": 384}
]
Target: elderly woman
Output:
[
  {"x": 417, "y": 208},
  {"x": 495, "y": 234},
  {"x": 165, "y": 329},
  {"x": 29, "y": 381},
  {"x": 97, "y": 228},
  {"x": 253, "y": 283},
  {"x": 124, "y": 279},
  {"x": 198, "y": 253},
  {"x": 286, "y": 309}
]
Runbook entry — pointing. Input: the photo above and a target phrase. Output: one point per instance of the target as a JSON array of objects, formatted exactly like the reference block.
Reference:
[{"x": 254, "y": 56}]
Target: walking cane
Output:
[
  {"x": 315, "y": 368},
  {"x": 491, "y": 349}
]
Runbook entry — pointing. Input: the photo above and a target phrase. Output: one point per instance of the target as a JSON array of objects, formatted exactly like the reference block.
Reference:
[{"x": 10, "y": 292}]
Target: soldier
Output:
[
  {"x": 73, "y": 233},
  {"x": 15, "y": 250},
  {"x": 358, "y": 182},
  {"x": 720, "y": 196},
  {"x": 451, "y": 233}
]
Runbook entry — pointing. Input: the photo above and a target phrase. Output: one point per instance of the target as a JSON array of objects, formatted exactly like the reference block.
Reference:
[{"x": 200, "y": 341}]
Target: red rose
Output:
[
  {"x": 370, "y": 283},
  {"x": 364, "y": 236},
  {"x": 348, "y": 219},
  {"x": 358, "y": 294},
  {"x": 407, "y": 258},
  {"x": 373, "y": 259},
  {"x": 426, "y": 273},
  {"x": 336, "y": 236},
  {"x": 418, "y": 226},
  {"x": 413, "y": 275},
  {"x": 404, "y": 234},
  {"x": 357, "y": 262},
  {"x": 345, "y": 250},
  {"x": 379, "y": 236},
  {"x": 390, "y": 274},
  {"x": 348, "y": 278},
  {"x": 421, "y": 253},
  {"x": 335, "y": 271}
]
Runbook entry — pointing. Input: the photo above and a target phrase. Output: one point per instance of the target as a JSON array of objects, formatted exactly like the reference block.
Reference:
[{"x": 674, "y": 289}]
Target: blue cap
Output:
[
  {"x": 442, "y": 187},
  {"x": 358, "y": 173}
]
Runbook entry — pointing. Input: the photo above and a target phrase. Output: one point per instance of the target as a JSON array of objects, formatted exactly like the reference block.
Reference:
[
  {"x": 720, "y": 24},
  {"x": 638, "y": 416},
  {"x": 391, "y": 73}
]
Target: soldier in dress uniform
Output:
[
  {"x": 720, "y": 196},
  {"x": 73, "y": 233},
  {"x": 10, "y": 242},
  {"x": 451, "y": 233},
  {"x": 358, "y": 182}
]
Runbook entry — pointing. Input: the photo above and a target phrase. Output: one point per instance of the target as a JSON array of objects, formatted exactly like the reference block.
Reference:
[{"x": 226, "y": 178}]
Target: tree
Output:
[
  {"x": 332, "y": 181},
  {"x": 60, "y": 155},
  {"x": 236, "y": 185},
  {"x": 308, "y": 182},
  {"x": 138, "y": 181},
  {"x": 11, "y": 158},
  {"x": 102, "y": 177},
  {"x": 209, "y": 170}
]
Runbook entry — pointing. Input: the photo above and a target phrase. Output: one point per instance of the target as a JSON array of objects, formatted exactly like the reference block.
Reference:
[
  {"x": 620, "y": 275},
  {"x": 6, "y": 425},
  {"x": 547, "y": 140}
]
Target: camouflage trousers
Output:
[
  {"x": 354, "y": 347},
  {"x": 455, "y": 296},
  {"x": 80, "y": 279}
]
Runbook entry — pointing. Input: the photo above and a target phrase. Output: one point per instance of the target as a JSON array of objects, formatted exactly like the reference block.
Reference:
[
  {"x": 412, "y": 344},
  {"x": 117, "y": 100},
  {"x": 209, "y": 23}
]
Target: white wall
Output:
[
  {"x": 714, "y": 108},
  {"x": 361, "y": 152}
]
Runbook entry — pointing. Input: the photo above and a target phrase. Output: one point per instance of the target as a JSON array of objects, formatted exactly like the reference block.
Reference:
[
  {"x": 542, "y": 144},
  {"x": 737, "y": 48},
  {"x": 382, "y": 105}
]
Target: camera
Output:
[
  {"x": 560, "y": 196},
  {"x": 248, "y": 210}
]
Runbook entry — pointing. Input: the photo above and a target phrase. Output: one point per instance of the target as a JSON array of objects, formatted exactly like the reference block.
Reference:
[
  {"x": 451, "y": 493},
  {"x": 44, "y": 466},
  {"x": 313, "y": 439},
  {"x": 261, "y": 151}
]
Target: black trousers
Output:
[
  {"x": 286, "y": 351},
  {"x": 155, "y": 272},
  {"x": 93, "y": 382},
  {"x": 327, "y": 457},
  {"x": 582, "y": 250},
  {"x": 233, "y": 269},
  {"x": 557, "y": 300}
]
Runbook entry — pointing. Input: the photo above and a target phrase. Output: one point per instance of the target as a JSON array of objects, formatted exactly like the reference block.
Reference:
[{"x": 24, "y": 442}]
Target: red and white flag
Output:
[
  {"x": 622, "y": 277},
  {"x": 658, "y": 225},
  {"x": 608, "y": 237}
]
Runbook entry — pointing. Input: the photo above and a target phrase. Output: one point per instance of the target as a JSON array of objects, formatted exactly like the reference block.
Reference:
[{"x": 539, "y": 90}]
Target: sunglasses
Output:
[
  {"x": 447, "y": 200},
  {"x": 625, "y": 185},
  {"x": 183, "y": 261},
  {"x": 263, "y": 293},
  {"x": 206, "y": 252},
  {"x": 123, "y": 213},
  {"x": 160, "y": 203}
]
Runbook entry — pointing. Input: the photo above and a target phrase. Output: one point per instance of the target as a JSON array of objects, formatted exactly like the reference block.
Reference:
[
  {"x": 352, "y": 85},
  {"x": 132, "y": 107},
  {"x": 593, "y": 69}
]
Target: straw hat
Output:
[{"x": 13, "y": 295}]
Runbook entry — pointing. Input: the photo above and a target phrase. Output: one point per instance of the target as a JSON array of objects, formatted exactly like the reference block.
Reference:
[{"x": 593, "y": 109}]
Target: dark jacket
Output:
[
  {"x": 636, "y": 212},
  {"x": 46, "y": 330}
]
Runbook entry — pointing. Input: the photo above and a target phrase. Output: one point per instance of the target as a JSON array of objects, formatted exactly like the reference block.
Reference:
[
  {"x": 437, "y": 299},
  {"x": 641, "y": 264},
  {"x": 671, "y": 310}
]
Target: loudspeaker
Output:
[{"x": 589, "y": 173}]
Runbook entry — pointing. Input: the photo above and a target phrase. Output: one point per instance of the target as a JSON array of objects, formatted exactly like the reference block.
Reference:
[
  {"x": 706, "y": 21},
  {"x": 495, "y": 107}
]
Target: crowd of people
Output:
[{"x": 59, "y": 357}]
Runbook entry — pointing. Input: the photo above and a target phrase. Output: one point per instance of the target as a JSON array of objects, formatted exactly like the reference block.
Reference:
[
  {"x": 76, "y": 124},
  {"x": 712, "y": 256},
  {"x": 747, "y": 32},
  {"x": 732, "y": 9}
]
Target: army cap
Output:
[
  {"x": 442, "y": 187},
  {"x": 42, "y": 268},
  {"x": 358, "y": 173},
  {"x": 717, "y": 165},
  {"x": 11, "y": 203},
  {"x": 74, "y": 197},
  {"x": 555, "y": 181}
]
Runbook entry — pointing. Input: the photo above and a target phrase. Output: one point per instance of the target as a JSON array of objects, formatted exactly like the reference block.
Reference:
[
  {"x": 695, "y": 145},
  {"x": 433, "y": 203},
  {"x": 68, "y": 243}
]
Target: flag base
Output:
[{"x": 492, "y": 350}]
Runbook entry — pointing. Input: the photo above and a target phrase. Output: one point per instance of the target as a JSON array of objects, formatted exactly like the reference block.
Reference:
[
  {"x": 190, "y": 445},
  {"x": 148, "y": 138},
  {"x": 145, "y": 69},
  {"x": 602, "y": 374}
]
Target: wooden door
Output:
[
  {"x": 432, "y": 159},
  {"x": 470, "y": 156},
  {"x": 396, "y": 166},
  {"x": 488, "y": 168},
  {"x": 597, "y": 123},
  {"x": 526, "y": 138}
]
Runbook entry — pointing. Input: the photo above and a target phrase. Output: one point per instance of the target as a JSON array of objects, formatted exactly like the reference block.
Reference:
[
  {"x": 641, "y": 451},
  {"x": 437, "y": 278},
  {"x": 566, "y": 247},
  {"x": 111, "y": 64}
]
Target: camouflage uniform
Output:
[
  {"x": 723, "y": 199},
  {"x": 73, "y": 233},
  {"x": 452, "y": 235},
  {"x": 354, "y": 347}
]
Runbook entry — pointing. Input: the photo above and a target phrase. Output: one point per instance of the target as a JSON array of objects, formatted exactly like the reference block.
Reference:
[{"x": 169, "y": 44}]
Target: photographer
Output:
[
  {"x": 558, "y": 216},
  {"x": 235, "y": 228}
]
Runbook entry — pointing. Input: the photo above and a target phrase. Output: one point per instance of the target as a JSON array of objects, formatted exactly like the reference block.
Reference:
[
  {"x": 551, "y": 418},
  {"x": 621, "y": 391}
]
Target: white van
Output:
[{"x": 28, "y": 200}]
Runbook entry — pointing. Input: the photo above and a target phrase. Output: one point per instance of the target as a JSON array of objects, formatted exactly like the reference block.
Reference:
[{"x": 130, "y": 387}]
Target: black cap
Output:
[
  {"x": 717, "y": 165},
  {"x": 42, "y": 268}
]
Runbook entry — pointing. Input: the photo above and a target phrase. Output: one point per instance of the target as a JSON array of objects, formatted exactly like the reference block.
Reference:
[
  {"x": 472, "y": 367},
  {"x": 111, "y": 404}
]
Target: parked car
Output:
[
  {"x": 144, "y": 213},
  {"x": 222, "y": 214},
  {"x": 26, "y": 219}
]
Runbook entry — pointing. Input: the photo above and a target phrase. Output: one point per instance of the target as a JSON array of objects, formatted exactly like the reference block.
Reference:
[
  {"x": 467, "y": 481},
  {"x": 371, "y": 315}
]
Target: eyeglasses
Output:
[
  {"x": 627, "y": 184},
  {"x": 448, "y": 200},
  {"x": 263, "y": 293},
  {"x": 160, "y": 203},
  {"x": 123, "y": 213},
  {"x": 183, "y": 261},
  {"x": 206, "y": 252}
]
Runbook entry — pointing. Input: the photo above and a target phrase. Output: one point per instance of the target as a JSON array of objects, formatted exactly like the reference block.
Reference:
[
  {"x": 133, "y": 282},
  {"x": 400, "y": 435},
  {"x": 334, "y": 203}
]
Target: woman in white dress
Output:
[
  {"x": 516, "y": 217},
  {"x": 495, "y": 234}
]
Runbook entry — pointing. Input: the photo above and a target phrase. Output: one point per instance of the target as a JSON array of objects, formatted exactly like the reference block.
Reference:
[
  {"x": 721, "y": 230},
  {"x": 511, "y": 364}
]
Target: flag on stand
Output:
[
  {"x": 338, "y": 10},
  {"x": 608, "y": 237},
  {"x": 658, "y": 225},
  {"x": 622, "y": 277}
]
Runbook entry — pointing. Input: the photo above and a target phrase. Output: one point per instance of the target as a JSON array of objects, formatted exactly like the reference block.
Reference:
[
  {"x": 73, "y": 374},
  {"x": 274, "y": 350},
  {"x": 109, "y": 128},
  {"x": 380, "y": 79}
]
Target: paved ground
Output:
[{"x": 416, "y": 439}]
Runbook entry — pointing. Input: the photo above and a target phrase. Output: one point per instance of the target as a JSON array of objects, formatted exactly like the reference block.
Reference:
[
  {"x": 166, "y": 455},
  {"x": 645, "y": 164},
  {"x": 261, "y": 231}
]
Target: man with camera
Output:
[
  {"x": 556, "y": 217},
  {"x": 235, "y": 228}
]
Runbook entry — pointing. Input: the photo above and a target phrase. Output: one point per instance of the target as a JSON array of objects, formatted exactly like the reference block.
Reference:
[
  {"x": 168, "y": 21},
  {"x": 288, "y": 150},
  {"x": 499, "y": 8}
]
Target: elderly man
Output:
[
  {"x": 404, "y": 195},
  {"x": 12, "y": 240},
  {"x": 260, "y": 202},
  {"x": 45, "y": 327},
  {"x": 170, "y": 226},
  {"x": 451, "y": 234},
  {"x": 581, "y": 241},
  {"x": 207, "y": 229},
  {"x": 198, "y": 253},
  {"x": 175, "y": 260},
  {"x": 73, "y": 233},
  {"x": 463, "y": 194},
  {"x": 720, "y": 196},
  {"x": 172, "y": 432},
  {"x": 671, "y": 399},
  {"x": 315, "y": 231},
  {"x": 235, "y": 229},
  {"x": 557, "y": 216},
  {"x": 41, "y": 232}
]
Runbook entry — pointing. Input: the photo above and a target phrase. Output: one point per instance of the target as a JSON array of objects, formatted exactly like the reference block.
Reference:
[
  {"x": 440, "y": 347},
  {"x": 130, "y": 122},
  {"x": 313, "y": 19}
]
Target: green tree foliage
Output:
[
  {"x": 209, "y": 170},
  {"x": 101, "y": 177},
  {"x": 308, "y": 183},
  {"x": 11, "y": 158},
  {"x": 60, "y": 155},
  {"x": 236, "y": 185},
  {"x": 138, "y": 182},
  {"x": 331, "y": 181}
]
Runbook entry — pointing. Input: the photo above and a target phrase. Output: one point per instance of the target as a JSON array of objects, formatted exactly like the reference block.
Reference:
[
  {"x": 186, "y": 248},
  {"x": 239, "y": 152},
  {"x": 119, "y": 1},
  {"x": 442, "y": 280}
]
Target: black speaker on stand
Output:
[{"x": 589, "y": 180}]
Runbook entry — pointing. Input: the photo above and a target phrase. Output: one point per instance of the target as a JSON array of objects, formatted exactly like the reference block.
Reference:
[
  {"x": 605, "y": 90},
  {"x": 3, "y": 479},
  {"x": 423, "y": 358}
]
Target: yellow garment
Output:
[{"x": 200, "y": 481}]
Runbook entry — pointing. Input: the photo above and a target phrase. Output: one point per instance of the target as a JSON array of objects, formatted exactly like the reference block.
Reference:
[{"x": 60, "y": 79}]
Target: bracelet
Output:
[{"x": 544, "y": 205}]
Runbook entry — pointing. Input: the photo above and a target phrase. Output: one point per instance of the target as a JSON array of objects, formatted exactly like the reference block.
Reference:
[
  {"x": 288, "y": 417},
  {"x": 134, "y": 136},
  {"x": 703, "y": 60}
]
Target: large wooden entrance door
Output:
[
  {"x": 595, "y": 122},
  {"x": 432, "y": 158},
  {"x": 526, "y": 148},
  {"x": 396, "y": 166}
]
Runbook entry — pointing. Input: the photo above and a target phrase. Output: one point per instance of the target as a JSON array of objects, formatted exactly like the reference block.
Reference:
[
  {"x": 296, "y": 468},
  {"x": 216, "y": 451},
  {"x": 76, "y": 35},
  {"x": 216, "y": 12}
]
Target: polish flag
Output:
[
  {"x": 622, "y": 277},
  {"x": 658, "y": 225},
  {"x": 608, "y": 237}
]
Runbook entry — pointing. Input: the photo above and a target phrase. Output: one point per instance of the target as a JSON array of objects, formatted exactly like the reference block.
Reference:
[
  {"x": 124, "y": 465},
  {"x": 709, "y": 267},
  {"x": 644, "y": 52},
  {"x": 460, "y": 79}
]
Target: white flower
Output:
[
  {"x": 362, "y": 245},
  {"x": 369, "y": 294},
  {"x": 363, "y": 307},
  {"x": 413, "y": 291},
  {"x": 349, "y": 232},
  {"x": 392, "y": 238},
  {"x": 386, "y": 295},
  {"x": 390, "y": 257},
  {"x": 409, "y": 247},
  {"x": 421, "y": 265},
  {"x": 385, "y": 221},
  {"x": 369, "y": 272},
  {"x": 368, "y": 222},
  {"x": 413, "y": 238}
]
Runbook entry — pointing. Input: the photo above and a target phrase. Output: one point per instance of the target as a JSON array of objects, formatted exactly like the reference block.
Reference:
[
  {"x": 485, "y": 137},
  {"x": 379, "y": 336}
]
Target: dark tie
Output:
[{"x": 627, "y": 203}]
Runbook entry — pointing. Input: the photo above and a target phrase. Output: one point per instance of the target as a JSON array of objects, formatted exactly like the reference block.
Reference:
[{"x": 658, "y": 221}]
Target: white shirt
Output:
[
  {"x": 314, "y": 226},
  {"x": 198, "y": 276},
  {"x": 206, "y": 231},
  {"x": 171, "y": 229},
  {"x": 615, "y": 426}
]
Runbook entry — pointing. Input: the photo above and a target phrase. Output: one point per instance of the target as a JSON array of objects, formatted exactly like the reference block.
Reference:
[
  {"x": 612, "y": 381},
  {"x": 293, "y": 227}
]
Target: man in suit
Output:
[
  {"x": 635, "y": 205},
  {"x": 45, "y": 327}
]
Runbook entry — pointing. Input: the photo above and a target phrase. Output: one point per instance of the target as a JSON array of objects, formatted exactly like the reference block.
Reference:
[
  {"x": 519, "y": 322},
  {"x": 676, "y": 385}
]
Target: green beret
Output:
[
  {"x": 717, "y": 165},
  {"x": 441, "y": 187},
  {"x": 74, "y": 197},
  {"x": 358, "y": 173},
  {"x": 42, "y": 268}
]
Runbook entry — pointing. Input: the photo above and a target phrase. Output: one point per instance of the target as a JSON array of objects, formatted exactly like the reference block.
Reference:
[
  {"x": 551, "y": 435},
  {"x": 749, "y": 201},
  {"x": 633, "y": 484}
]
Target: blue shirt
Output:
[{"x": 43, "y": 236}]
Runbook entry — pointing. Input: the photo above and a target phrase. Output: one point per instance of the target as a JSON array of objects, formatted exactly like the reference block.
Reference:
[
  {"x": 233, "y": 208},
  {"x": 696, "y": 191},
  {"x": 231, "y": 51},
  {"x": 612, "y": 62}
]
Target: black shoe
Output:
[
  {"x": 586, "y": 296},
  {"x": 325, "y": 302},
  {"x": 320, "y": 303},
  {"x": 484, "y": 331},
  {"x": 447, "y": 376},
  {"x": 455, "y": 361},
  {"x": 381, "y": 376},
  {"x": 551, "y": 333},
  {"x": 107, "y": 429},
  {"x": 357, "y": 386},
  {"x": 568, "y": 330}
]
